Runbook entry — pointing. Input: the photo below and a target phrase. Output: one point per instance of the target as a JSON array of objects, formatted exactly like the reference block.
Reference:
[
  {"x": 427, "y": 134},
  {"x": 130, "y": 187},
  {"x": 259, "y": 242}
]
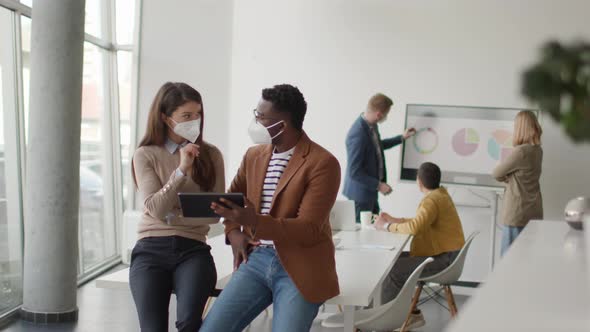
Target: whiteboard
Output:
[{"x": 465, "y": 142}]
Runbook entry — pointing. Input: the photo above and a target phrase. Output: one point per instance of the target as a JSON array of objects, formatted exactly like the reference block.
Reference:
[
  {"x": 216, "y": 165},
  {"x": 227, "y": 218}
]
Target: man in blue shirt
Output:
[{"x": 366, "y": 174}]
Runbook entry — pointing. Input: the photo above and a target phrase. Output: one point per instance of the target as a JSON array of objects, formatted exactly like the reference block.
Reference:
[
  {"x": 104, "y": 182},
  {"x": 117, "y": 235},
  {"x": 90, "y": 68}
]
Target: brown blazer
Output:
[{"x": 298, "y": 219}]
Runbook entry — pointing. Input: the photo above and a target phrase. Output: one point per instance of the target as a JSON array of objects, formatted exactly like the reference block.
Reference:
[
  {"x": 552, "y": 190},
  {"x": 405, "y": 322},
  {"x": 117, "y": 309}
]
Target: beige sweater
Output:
[
  {"x": 521, "y": 172},
  {"x": 159, "y": 185}
]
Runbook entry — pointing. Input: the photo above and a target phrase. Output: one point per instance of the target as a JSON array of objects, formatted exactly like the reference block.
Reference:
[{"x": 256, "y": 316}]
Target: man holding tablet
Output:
[{"x": 281, "y": 238}]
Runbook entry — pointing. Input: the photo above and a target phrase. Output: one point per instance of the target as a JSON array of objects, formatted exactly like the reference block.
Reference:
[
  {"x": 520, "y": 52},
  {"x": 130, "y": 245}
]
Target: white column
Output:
[{"x": 53, "y": 158}]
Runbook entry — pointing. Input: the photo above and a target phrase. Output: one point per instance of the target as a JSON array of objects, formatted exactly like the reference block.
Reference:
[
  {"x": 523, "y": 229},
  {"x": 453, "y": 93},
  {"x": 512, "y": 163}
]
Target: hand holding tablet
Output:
[
  {"x": 244, "y": 215},
  {"x": 198, "y": 205}
]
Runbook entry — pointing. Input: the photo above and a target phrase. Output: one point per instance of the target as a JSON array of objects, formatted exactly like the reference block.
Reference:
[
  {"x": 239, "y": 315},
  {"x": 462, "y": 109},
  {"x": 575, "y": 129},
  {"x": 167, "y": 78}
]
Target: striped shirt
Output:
[{"x": 274, "y": 171}]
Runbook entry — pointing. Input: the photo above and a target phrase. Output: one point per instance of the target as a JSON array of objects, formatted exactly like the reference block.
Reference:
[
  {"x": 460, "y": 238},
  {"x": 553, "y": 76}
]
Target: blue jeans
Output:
[
  {"x": 509, "y": 234},
  {"x": 252, "y": 288}
]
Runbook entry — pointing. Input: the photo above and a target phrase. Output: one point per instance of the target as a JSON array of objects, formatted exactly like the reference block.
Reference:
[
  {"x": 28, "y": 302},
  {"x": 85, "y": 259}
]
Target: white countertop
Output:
[{"x": 541, "y": 284}]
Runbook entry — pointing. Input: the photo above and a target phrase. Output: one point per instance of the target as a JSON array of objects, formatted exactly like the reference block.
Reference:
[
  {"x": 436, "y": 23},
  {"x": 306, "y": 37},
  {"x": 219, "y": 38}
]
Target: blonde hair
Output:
[
  {"x": 527, "y": 129},
  {"x": 380, "y": 103}
]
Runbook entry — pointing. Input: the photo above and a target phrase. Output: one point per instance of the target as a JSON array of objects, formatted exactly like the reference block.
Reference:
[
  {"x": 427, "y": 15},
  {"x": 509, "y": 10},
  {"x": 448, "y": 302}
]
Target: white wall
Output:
[
  {"x": 188, "y": 41},
  {"x": 460, "y": 52}
]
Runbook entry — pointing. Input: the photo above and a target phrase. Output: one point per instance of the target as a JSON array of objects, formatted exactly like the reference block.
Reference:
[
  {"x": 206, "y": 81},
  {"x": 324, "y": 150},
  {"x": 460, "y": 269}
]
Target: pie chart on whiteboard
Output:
[
  {"x": 500, "y": 144},
  {"x": 465, "y": 141},
  {"x": 425, "y": 140}
]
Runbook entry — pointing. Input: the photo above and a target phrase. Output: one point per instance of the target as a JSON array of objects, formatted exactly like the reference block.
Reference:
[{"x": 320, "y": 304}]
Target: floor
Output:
[{"x": 113, "y": 311}]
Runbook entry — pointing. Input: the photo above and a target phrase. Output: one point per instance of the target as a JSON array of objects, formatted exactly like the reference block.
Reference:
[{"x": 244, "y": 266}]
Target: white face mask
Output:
[
  {"x": 190, "y": 130},
  {"x": 259, "y": 133}
]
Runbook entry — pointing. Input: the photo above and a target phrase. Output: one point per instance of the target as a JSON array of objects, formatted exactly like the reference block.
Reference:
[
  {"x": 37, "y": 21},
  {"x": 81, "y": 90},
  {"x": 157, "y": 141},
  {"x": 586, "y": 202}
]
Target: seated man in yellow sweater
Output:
[{"x": 437, "y": 233}]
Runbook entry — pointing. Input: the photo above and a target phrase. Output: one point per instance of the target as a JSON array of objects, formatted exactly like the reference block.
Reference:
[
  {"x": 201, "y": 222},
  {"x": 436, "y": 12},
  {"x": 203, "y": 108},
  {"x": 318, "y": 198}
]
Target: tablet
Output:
[{"x": 198, "y": 205}]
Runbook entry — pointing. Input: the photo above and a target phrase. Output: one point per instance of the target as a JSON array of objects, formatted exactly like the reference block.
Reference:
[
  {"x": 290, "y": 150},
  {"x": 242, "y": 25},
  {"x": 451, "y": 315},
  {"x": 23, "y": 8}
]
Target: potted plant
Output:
[{"x": 559, "y": 83}]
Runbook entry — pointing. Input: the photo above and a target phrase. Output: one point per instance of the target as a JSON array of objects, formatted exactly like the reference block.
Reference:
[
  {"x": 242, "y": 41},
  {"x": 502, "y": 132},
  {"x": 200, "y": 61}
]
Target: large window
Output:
[
  {"x": 10, "y": 193},
  {"x": 96, "y": 17},
  {"x": 26, "y": 66},
  {"x": 97, "y": 217},
  {"x": 125, "y": 71},
  {"x": 126, "y": 12},
  {"x": 106, "y": 135},
  {"x": 125, "y": 21}
]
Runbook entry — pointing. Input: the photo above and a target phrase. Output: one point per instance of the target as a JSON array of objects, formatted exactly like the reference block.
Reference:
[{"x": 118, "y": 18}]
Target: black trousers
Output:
[
  {"x": 162, "y": 265},
  {"x": 362, "y": 206}
]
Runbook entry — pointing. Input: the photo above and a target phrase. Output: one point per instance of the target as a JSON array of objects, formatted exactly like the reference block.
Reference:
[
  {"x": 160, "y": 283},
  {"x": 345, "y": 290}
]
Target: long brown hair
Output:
[
  {"x": 527, "y": 129},
  {"x": 169, "y": 98}
]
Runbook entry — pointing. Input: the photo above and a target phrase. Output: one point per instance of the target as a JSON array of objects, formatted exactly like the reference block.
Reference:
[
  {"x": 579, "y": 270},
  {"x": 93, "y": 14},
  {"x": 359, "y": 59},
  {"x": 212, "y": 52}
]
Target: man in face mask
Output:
[
  {"x": 366, "y": 174},
  {"x": 281, "y": 239}
]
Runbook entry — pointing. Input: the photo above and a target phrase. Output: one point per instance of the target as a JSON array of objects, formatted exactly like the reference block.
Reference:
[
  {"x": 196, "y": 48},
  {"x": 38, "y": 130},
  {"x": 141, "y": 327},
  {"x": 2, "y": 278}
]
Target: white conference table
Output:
[
  {"x": 541, "y": 284},
  {"x": 362, "y": 263},
  {"x": 361, "y": 270}
]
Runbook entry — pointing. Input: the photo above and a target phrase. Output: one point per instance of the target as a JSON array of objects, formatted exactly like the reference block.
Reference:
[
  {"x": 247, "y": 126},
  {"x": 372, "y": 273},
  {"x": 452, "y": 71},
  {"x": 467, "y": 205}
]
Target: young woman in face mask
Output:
[{"x": 171, "y": 254}]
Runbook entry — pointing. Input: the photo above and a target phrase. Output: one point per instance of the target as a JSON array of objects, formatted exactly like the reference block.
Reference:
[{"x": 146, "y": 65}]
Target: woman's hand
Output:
[{"x": 188, "y": 153}]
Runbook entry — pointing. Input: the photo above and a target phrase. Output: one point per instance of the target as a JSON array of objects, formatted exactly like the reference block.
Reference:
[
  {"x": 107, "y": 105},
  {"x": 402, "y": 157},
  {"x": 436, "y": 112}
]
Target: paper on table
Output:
[{"x": 365, "y": 246}]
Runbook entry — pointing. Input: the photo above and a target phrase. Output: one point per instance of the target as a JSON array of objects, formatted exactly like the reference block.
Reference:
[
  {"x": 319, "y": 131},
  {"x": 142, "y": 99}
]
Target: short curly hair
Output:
[{"x": 287, "y": 98}]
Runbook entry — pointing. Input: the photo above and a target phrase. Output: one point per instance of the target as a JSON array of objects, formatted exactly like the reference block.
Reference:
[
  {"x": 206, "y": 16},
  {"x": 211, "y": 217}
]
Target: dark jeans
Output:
[
  {"x": 362, "y": 206},
  {"x": 162, "y": 265},
  {"x": 405, "y": 265}
]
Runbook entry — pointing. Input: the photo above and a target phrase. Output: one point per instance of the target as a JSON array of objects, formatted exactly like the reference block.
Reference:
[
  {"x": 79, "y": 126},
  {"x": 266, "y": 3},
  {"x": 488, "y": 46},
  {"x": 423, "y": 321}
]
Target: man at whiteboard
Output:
[{"x": 366, "y": 174}]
